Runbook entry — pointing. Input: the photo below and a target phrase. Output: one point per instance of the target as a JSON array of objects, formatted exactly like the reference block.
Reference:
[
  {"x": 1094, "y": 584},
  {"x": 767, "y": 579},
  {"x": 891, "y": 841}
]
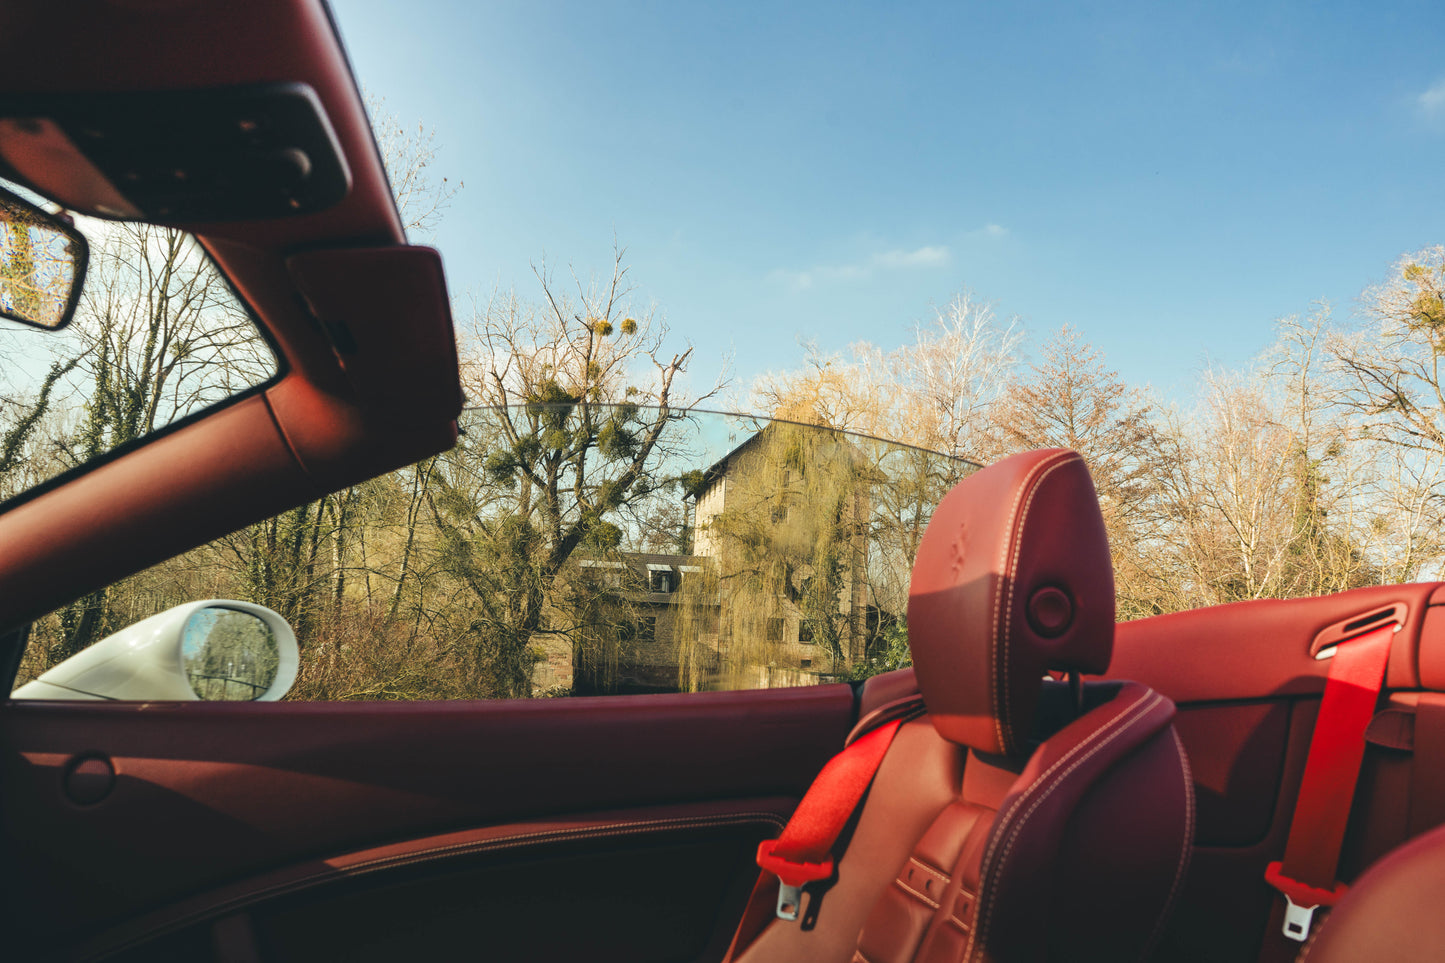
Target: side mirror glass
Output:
[
  {"x": 229, "y": 655},
  {"x": 42, "y": 265}
]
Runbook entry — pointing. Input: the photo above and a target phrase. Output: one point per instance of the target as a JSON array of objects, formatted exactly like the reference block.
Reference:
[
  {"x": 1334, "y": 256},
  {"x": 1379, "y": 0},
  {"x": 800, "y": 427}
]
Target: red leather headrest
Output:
[{"x": 1013, "y": 578}]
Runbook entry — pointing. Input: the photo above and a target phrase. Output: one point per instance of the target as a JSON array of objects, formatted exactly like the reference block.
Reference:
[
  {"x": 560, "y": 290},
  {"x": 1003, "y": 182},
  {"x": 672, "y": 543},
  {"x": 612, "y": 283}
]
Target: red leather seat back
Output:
[
  {"x": 1067, "y": 833},
  {"x": 1079, "y": 855}
]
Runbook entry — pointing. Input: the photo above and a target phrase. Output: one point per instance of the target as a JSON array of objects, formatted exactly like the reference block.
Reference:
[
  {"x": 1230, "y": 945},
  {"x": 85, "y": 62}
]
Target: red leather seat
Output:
[
  {"x": 1021, "y": 819},
  {"x": 1390, "y": 913}
]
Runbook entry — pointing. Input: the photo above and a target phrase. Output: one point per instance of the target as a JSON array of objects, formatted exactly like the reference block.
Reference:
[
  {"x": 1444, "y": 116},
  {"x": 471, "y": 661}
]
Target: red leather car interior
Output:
[
  {"x": 1068, "y": 831},
  {"x": 1013, "y": 822}
]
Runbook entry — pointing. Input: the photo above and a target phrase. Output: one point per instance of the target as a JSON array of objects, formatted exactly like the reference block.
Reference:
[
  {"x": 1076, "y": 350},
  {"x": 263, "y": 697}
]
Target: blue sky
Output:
[{"x": 1168, "y": 178}]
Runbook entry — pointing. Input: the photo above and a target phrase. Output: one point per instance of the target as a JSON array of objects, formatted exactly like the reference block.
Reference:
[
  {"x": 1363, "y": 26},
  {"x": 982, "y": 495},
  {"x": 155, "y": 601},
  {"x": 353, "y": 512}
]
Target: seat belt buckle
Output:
[
  {"x": 792, "y": 875},
  {"x": 1300, "y": 900}
]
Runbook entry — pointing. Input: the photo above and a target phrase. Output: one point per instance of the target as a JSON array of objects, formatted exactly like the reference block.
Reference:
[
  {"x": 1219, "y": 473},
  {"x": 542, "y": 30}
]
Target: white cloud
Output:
[
  {"x": 797, "y": 280},
  {"x": 1432, "y": 101},
  {"x": 933, "y": 256},
  {"x": 929, "y": 256}
]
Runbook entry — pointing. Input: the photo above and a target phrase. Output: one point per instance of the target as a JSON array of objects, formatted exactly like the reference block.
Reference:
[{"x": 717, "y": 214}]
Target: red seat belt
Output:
[
  {"x": 804, "y": 851},
  {"x": 1306, "y": 875}
]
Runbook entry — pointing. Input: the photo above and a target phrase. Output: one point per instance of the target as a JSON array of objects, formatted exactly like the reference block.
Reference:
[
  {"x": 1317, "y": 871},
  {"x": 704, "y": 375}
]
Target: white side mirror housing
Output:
[{"x": 216, "y": 649}]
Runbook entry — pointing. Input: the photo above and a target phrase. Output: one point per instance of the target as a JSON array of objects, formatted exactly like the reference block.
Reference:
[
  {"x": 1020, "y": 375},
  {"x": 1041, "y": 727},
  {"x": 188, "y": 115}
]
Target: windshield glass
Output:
[{"x": 157, "y": 335}]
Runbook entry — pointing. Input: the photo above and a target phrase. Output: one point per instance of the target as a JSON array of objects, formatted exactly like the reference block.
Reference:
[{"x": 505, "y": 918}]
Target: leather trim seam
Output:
[
  {"x": 1018, "y": 516},
  {"x": 1185, "y": 851},
  {"x": 603, "y": 831},
  {"x": 936, "y": 875},
  {"x": 1119, "y": 725}
]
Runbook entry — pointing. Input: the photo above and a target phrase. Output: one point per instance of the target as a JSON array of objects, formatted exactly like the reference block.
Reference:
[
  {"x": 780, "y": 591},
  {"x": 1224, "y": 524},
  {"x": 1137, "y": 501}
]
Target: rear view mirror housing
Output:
[{"x": 212, "y": 650}]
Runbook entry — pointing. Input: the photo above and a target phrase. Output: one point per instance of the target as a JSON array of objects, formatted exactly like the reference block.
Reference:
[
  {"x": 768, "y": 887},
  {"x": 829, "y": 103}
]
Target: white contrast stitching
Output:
[
  {"x": 940, "y": 877},
  {"x": 1119, "y": 724},
  {"x": 1031, "y": 485},
  {"x": 1059, "y": 781},
  {"x": 1004, "y": 816},
  {"x": 963, "y": 898},
  {"x": 1184, "y": 850},
  {"x": 927, "y": 900}
]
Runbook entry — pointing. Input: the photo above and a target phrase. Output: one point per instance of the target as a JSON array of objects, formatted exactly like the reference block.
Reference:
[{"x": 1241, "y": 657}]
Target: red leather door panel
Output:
[
  {"x": 1248, "y": 690},
  {"x": 211, "y": 795}
]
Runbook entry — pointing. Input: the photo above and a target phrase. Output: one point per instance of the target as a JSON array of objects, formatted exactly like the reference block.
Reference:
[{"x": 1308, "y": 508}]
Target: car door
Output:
[{"x": 619, "y": 827}]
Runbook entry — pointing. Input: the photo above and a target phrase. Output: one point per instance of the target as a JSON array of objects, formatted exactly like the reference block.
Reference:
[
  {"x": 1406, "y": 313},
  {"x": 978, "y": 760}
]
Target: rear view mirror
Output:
[
  {"x": 216, "y": 650},
  {"x": 42, "y": 265}
]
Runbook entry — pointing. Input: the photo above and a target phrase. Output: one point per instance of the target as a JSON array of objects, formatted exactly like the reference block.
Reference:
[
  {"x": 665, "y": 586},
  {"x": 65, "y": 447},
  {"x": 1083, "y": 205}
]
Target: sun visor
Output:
[{"x": 388, "y": 317}]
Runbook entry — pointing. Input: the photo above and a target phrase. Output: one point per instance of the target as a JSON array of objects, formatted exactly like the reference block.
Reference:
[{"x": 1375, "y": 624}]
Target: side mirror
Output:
[
  {"x": 42, "y": 265},
  {"x": 215, "y": 650}
]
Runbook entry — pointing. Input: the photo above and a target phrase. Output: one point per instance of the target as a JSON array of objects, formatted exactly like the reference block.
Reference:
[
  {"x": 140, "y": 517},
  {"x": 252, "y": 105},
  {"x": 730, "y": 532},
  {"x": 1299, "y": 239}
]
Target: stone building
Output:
[{"x": 662, "y": 622}]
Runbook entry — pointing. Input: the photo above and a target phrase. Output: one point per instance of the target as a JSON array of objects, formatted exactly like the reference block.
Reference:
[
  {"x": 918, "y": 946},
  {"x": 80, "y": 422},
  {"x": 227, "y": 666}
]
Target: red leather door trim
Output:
[
  {"x": 537, "y": 838},
  {"x": 1253, "y": 650},
  {"x": 267, "y": 786}
]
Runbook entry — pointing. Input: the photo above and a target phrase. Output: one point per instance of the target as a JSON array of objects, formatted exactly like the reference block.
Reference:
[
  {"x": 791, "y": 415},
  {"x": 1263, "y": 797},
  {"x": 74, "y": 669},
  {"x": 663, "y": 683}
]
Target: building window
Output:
[
  {"x": 642, "y": 630},
  {"x": 661, "y": 581},
  {"x": 805, "y": 632},
  {"x": 775, "y": 630}
]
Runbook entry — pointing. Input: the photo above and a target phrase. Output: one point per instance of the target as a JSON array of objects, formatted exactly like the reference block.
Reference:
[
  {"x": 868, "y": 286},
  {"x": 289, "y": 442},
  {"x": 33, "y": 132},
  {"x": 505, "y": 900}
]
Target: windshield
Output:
[{"x": 157, "y": 336}]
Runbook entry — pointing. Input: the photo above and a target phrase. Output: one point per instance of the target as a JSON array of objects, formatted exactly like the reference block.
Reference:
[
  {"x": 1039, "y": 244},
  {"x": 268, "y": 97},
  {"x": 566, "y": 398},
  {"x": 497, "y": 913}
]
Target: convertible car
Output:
[{"x": 1255, "y": 781}]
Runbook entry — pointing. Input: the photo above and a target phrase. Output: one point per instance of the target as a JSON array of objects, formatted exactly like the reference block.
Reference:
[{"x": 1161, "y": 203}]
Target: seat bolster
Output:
[
  {"x": 1089, "y": 851},
  {"x": 1391, "y": 912}
]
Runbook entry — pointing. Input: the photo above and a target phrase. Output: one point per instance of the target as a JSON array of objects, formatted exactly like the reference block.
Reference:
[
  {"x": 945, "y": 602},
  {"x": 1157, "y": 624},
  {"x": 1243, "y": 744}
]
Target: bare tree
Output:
[
  {"x": 1388, "y": 387},
  {"x": 1071, "y": 399},
  {"x": 581, "y": 391},
  {"x": 160, "y": 336},
  {"x": 1228, "y": 489},
  {"x": 1391, "y": 369},
  {"x": 408, "y": 155},
  {"x": 956, "y": 372},
  {"x": 939, "y": 391}
]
